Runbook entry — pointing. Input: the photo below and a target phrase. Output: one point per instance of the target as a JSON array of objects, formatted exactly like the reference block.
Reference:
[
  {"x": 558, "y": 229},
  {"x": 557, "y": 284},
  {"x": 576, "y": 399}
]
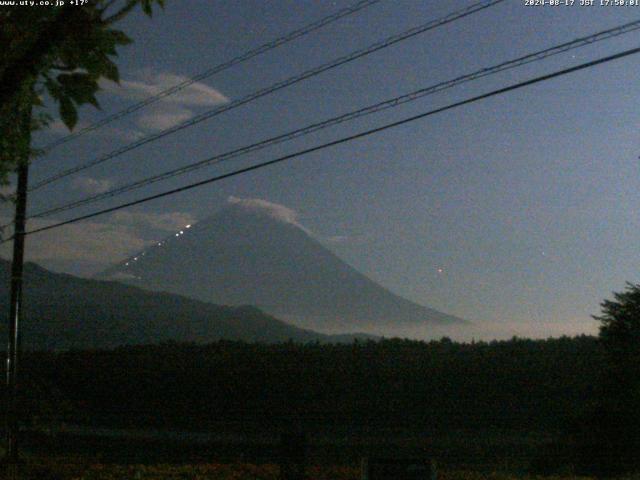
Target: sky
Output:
[{"x": 519, "y": 213}]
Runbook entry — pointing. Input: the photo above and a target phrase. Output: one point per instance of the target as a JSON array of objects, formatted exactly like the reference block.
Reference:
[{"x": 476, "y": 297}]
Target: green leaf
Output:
[
  {"x": 68, "y": 112},
  {"x": 118, "y": 37},
  {"x": 146, "y": 7},
  {"x": 110, "y": 71},
  {"x": 53, "y": 88},
  {"x": 81, "y": 87}
]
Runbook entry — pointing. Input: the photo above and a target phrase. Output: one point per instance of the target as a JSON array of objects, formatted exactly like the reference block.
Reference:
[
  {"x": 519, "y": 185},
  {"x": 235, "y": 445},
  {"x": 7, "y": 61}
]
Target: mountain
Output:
[
  {"x": 253, "y": 252},
  {"x": 63, "y": 311}
]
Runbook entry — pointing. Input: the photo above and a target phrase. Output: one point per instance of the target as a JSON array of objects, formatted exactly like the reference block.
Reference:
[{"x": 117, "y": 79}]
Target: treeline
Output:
[{"x": 525, "y": 385}]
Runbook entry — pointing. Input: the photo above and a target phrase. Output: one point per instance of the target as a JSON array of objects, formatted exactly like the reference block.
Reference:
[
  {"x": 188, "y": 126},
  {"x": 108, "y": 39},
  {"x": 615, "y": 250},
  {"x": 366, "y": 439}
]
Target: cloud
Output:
[
  {"x": 337, "y": 239},
  {"x": 92, "y": 185},
  {"x": 166, "y": 113},
  {"x": 161, "y": 119},
  {"x": 6, "y": 191},
  {"x": 274, "y": 210},
  {"x": 98, "y": 244},
  {"x": 93, "y": 242},
  {"x": 195, "y": 95},
  {"x": 287, "y": 215},
  {"x": 59, "y": 129},
  {"x": 166, "y": 222},
  {"x": 172, "y": 109}
]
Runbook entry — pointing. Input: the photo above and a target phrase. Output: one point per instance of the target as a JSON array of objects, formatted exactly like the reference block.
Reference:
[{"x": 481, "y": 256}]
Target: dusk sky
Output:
[{"x": 519, "y": 213}]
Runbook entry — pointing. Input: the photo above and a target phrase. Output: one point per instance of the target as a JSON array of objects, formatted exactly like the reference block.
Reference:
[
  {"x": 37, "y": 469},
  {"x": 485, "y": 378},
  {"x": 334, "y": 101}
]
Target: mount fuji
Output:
[{"x": 254, "y": 252}]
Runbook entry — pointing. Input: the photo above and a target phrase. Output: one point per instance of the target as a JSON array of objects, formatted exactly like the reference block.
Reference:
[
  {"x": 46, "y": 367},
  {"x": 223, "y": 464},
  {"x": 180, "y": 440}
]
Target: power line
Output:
[
  {"x": 273, "y": 88},
  {"x": 415, "y": 95},
  {"x": 215, "y": 70},
  {"x": 349, "y": 138}
]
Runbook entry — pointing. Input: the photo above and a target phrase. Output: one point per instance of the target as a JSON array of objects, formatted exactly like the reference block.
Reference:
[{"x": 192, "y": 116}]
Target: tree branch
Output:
[
  {"x": 122, "y": 12},
  {"x": 28, "y": 64}
]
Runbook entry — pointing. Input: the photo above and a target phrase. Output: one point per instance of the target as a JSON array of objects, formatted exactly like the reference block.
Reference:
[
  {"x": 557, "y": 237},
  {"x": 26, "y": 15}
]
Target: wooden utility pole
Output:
[{"x": 15, "y": 304}]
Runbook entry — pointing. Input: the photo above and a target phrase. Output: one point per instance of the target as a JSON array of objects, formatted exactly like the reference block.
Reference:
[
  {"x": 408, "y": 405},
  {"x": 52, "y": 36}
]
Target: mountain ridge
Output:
[{"x": 64, "y": 312}]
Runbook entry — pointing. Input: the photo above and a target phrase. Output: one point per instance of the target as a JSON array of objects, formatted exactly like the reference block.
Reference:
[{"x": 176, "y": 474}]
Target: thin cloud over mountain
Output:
[{"x": 276, "y": 211}]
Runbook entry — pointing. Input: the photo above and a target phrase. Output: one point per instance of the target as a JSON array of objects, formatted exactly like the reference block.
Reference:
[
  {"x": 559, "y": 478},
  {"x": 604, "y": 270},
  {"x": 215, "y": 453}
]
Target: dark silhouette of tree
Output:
[
  {"x": 62, "y": 52},
  {"x": 610, "y": 437},
  {"x": 515, "y": 384},
  {"x": 620, "y": 329},
  {"x": 511, "y": 397}
]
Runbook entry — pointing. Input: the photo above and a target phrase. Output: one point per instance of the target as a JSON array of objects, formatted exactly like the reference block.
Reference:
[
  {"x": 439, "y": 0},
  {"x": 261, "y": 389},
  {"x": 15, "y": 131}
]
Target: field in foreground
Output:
[
  {"x": 481, "y": 407},
  {"x": 77, "y": 470}
]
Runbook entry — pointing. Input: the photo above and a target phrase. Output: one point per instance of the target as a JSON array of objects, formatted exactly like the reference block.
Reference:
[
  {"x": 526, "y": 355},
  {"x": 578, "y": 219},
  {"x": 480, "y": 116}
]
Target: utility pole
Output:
[{"x": 15, "y": 305}]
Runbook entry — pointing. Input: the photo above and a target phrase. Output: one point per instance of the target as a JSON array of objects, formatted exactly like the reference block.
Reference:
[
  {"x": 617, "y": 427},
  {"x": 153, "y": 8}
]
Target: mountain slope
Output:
[
  {"x": 244, "y": 255},
  {"x": 63, "y": 311}
]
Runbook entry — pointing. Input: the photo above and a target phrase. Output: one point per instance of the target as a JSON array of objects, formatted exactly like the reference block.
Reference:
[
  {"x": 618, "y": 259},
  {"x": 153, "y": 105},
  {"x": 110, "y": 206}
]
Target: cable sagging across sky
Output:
[
  {"x": 215, "y": 70},
  {"x": 389, "y": 41},
  {"x": 377, "y": 107},
  {"x": 342, "y": 140}
]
